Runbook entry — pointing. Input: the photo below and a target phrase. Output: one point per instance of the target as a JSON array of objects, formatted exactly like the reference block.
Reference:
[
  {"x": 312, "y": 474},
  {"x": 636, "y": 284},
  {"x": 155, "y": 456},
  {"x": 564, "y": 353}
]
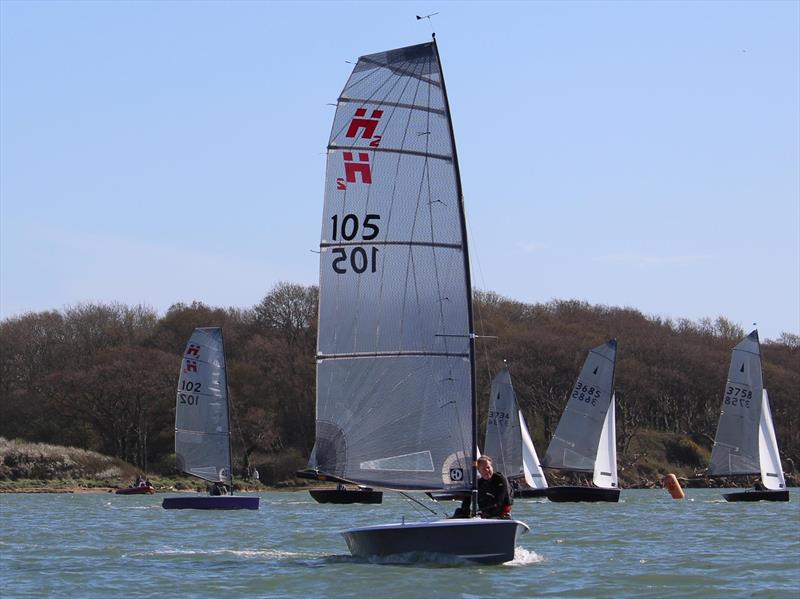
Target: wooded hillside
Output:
[{"x": 102, "y": 377}]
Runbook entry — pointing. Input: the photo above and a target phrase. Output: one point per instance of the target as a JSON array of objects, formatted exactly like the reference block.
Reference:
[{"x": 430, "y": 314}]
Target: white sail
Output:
[
  {"x": 605, "y": 465},
  {"x": 532, "y": 470},
  {"x": 769, "y": 458},
  {"x": 736, "y": 443},
  {"x": 202, "y": 431}
]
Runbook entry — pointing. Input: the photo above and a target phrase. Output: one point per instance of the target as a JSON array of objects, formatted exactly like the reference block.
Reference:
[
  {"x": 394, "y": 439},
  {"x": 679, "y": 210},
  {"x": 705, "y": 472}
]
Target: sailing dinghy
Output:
[
  {"x": 396, "y": 405},
  {"x": 585, "y": 438},
  {"x": 745, "y": 443},
  {"x": 202, "y": 424},
  {"x": 508, "y": 441}
]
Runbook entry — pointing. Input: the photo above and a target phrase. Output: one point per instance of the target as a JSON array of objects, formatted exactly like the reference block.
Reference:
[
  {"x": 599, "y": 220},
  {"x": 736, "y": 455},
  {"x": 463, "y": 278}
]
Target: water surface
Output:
[{"x": 648, "y": 545}]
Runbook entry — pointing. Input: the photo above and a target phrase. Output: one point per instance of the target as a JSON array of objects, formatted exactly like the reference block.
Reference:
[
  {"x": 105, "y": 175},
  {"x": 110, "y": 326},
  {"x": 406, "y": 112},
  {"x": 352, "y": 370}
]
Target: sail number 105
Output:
[{"x": 358, "y": 259}]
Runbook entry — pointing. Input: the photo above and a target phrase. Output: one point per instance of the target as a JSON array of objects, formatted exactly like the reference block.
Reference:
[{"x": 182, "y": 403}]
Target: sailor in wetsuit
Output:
[{"x": 494, "y": 496}]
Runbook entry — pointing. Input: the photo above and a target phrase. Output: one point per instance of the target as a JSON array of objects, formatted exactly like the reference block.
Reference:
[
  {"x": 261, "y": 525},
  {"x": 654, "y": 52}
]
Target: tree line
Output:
[{"x": 103, "y": 376}]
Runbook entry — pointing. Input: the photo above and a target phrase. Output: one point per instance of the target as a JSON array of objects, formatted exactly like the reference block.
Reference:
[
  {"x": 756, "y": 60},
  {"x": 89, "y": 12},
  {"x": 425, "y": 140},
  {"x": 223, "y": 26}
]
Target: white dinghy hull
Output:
[{"x": 476, "y": 540}]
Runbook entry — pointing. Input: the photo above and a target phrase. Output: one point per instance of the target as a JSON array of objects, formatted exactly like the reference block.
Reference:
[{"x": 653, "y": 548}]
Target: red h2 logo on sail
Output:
[
  {"x": 353, "y": 167},
  {"x": 368, "y": 125}
]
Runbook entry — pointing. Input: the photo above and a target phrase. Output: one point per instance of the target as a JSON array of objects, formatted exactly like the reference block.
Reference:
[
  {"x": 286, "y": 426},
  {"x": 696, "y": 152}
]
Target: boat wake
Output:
[
  {"x": 523, "y": 557},
  {"x": 271, "y": 554}
]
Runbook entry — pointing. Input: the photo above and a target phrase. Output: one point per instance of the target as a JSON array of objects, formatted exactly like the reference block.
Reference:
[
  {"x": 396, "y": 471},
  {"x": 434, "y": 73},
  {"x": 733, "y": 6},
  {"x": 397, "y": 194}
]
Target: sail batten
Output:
[
  {"x": 386, "y": 103},
  {"x": 418, "y": 153}
]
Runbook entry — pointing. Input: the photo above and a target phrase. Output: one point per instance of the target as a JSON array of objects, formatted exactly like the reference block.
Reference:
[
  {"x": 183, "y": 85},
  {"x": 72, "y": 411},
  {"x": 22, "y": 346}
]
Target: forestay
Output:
[
  {"x": 202, "y": 438},
  {"x": 736, "y": 443},
  {"x": 394, "y": 373},
  {"x": 508, "y": 442},
  {"x": 575, "y": 443}
]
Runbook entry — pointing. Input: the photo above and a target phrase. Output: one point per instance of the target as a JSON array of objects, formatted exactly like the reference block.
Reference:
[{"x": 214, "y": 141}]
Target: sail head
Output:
[
  {"x": 394, "y": 364},
  {"x": 202, "y": 431}
]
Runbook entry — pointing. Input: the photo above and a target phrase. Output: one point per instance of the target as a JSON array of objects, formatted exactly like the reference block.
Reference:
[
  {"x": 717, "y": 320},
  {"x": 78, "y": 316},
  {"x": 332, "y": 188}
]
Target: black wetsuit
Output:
[
  {"x": 494, "y": 499},
  {"x": 493, "y": 496}
]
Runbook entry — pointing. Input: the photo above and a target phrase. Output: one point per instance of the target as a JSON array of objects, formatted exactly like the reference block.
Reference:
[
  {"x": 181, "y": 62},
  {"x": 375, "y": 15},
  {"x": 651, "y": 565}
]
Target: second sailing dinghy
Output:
[
  {"x": 508, "y": 441},
  {"x": 395, "y": 349},
  {"x": 745, "y": 443},
  {"x": 585, "y": 439},
  {"x": 202, "y": 425}
]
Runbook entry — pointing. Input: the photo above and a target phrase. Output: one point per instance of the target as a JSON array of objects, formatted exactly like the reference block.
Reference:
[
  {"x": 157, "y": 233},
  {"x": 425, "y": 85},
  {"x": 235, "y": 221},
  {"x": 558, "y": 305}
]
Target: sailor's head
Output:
[{"x": 485, "y": 467}]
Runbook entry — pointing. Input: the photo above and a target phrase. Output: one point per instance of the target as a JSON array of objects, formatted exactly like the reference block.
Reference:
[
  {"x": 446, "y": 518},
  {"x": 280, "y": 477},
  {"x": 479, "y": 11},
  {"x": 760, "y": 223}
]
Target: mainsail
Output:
[
  {"x": 575, "y": 443},
  {"x": 395, "y": 375},
  {"x": 736, "y": 444},
  {"x": 507, "y": 439},
  {"x": 202, "y": 433}
]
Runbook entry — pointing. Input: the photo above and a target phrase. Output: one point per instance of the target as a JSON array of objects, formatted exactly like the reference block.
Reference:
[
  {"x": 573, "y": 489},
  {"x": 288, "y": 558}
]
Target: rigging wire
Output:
[{"x": 479, "y": 310}]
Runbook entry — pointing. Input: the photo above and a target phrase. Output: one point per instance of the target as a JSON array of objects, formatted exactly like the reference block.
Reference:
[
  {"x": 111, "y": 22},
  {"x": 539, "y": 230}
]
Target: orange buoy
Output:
[{"x": 673, "y": 486}]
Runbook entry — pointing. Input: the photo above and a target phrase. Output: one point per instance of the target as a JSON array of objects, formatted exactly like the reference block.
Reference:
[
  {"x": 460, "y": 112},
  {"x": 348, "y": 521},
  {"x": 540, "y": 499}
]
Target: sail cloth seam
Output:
[
  {"x": 382, "y": 103},
  {"x": 425, "y": 155}
]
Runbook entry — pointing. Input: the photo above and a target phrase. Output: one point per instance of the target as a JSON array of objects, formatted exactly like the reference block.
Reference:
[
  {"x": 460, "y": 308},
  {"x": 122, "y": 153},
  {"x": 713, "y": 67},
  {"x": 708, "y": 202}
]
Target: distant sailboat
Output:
[
  {"x": 745, "y": 443},
  {"x": 585, "y": 439},
  {"x": 508, "y": 441},
  {"x": 202, "y": 424},
  {"x": 395, "y": 348}
]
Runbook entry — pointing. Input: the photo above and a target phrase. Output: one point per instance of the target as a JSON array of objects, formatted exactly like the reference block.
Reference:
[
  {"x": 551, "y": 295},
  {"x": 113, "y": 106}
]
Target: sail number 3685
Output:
[
  {"x": 585, "y": 393},
  {"x": 357, "y": 258}
]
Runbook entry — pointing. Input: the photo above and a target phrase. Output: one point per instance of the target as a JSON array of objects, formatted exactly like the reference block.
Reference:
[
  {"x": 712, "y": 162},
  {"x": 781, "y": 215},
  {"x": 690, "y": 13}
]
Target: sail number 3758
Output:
[
  {"x": 357, "y": 259},
  {"x": 738, "y": 396}
]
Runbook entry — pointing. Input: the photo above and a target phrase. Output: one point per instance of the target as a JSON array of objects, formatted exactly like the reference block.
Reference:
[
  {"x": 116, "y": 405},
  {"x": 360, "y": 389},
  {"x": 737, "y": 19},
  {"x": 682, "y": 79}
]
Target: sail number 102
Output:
[
  {"x": 189, "y": 398},
  {"x": 357, "y": 258}
]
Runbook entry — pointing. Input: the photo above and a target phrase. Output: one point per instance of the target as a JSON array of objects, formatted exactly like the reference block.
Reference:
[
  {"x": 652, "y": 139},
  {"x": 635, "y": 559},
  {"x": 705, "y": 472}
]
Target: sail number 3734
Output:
[{"x": 357, "y": 259}]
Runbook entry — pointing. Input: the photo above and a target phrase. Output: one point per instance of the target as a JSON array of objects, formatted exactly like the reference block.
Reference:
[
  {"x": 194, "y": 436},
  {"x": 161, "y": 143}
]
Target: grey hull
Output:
[{"x": 484, "y": 541}]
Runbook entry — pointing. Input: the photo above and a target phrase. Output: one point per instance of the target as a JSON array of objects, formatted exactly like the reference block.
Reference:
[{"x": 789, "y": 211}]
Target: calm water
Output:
[{"x": 648, "y": 545}]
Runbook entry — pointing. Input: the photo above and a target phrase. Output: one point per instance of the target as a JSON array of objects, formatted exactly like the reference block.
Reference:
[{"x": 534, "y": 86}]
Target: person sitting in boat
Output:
[
  {"x": 494, "y": 498},
  {"x": 218, "y": 489},
  {"x": 139, "y": 482}
]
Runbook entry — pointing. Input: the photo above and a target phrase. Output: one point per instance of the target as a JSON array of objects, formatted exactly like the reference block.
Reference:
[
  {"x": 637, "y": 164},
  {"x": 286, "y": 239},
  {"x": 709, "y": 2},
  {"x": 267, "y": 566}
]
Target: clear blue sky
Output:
[{"x": 640, "y": 154}]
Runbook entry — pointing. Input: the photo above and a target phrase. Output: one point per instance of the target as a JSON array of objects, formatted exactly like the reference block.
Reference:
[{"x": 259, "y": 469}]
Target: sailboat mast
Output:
[
  {"x": 468, "y": 278},
  {"x": 228, "y": 405}
]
